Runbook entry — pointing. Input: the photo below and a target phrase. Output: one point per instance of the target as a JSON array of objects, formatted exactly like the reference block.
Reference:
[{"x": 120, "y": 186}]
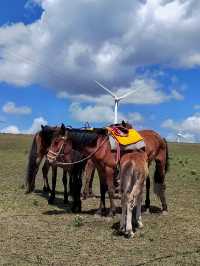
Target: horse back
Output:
[{"x": 155, "y": 144}]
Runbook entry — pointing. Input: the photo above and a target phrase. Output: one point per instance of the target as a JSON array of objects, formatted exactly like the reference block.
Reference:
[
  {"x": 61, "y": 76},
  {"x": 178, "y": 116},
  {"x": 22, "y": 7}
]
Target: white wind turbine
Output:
[
  {"x": 116, "y": 98},
  {"x": 179, "y": 136}
]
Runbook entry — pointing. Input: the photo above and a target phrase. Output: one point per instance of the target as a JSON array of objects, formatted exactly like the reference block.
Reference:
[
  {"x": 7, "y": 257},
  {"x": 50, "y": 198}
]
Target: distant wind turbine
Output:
[
  {"x": 179, "y": 136},
  {"x": 116, "y": 98}
]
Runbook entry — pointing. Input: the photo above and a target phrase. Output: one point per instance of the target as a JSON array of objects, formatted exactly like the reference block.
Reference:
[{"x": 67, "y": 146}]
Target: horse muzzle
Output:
[{"x": 51, "y": 157}]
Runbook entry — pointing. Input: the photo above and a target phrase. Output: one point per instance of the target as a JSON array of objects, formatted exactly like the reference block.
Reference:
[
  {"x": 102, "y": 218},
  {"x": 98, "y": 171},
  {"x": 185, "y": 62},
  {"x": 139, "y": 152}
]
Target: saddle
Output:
[{"x": 124, "y": 136}]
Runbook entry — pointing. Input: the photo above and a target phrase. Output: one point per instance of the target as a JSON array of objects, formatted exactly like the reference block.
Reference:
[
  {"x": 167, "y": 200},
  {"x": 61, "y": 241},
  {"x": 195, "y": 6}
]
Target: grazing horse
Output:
[{"x": 133, "y": 173}]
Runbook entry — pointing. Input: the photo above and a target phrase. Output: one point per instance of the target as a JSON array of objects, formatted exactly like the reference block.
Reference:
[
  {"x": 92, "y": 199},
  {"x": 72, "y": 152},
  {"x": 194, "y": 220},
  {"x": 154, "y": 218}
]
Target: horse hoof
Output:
[
  {"x": 164, "y": 213},
  {"x": 121, "y": 231},
  {"x": 100, "y": 212},
  {"x": 140, "y": 225},
  {"x": 65, "y": 201},
  {"x": 50, "y": 201},
  {"x": 76, "y": 210},
  {"x": 147, "y": 211},
  {"x": 92, "y": 195},
  {"x": 45, "y": 189},
  {"x": 129, "y": 235}
]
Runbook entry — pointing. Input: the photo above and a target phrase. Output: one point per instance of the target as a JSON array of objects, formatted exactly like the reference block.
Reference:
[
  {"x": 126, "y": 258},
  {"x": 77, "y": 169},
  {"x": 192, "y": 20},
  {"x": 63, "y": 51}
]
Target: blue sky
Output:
[{"x": 51, "y": 51}]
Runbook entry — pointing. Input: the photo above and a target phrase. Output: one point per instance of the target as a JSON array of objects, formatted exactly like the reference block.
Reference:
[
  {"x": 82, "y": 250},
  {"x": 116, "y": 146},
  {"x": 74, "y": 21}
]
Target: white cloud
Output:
[
  {"x": 101, "y": 114},
  {"x": 11, "y": 108},
  {"x": 190, "y": 127},
  {"x": 196, "y": 106},
  {"x": 36, "y": 126},
  {"x": 10, "y": 129},
  {"x": 146, "y": 91},
  {"x": 97, "y": 114},
  {"x": 135, "y": 117},
  {"x": 75, "y": 42}
]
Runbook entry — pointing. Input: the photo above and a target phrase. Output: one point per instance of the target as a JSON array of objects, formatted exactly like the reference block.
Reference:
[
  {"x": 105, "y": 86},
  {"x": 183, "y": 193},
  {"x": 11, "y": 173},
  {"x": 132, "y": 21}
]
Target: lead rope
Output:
[{"x": 82, "y": 160}]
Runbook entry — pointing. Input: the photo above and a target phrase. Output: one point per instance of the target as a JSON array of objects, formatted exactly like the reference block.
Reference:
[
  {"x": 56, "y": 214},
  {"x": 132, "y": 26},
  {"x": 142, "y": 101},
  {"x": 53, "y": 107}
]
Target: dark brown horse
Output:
[
  {"x": 39, "y": 148},
  {"x": 38, "y": 152}
]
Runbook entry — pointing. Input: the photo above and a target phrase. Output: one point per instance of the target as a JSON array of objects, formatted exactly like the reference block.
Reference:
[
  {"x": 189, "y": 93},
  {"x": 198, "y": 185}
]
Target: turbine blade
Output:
[
  {"x": 110, "y": 92},
  {"x": 127, "y": 94}
]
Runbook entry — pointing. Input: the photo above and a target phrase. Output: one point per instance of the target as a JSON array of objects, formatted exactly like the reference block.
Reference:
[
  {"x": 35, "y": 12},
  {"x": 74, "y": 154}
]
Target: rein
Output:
[{"x": 72, "y": 163}]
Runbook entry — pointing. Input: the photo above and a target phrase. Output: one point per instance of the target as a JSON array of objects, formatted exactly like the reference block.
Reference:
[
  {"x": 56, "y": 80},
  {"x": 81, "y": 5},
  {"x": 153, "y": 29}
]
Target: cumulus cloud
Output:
[
  {"x": 11, "y": 129},
  {"x": 102, "y": 40},
  {"x": 190, "y": 127},
  {"x": 11, "y": 108},
  {"x": 145, "y": 91},
  {"x": 36, "y": 126},
  {"x": 102, "y": 114},
  {"x": 91, "y": 114}
]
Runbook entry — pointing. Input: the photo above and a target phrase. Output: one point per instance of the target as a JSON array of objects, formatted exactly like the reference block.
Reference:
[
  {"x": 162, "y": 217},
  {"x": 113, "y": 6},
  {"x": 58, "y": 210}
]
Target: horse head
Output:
[{"x": 61, "y": 146}]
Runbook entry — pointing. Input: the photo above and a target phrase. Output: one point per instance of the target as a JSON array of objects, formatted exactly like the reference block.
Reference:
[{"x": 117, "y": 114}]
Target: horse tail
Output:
[
  {"x": 159, "y": 178},
  {"x": 167, "y": 164},
  {"x": 32, "y": 167}
]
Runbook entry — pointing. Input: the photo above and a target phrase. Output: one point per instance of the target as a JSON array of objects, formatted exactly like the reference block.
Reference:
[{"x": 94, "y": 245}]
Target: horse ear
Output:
[
  {"x": 62, "y": 129},
  {"x": 123, "y": 123}
]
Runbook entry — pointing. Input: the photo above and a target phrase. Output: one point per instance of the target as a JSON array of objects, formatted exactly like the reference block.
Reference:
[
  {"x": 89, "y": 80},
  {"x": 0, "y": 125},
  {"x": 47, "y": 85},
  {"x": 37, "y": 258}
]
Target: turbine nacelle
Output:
[{"x": 117, "y": 99}]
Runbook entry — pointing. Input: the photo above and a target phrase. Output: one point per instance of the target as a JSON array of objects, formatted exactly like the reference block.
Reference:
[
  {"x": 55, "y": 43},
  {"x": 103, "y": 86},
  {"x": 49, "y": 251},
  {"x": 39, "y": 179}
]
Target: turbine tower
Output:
[
  {"x": 179, "y": 136},
  {"x": 116, "y": 98}
]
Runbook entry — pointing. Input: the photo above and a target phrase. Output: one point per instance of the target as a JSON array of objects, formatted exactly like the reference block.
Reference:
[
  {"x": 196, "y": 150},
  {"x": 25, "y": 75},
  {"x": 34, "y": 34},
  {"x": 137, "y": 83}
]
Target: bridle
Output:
[{"x": 54, "y": 155}]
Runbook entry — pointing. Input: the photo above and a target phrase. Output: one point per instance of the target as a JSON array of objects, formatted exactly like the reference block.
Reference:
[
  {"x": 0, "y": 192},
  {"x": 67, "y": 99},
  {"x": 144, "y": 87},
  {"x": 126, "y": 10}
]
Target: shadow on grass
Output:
[
  {"x": 153, "y": 209},
  {"x": 58, "y": 202}
]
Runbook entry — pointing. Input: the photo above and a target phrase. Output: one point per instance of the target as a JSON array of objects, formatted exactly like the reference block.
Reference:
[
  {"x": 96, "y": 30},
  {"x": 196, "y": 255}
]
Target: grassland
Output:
[{"x": 34, "y": 233}]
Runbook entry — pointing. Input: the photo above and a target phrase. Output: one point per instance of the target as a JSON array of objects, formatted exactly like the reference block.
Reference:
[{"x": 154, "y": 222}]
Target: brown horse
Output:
[
  {"x": 96, "y": 144},
  {"x": 89, "y": 143},
  {"x": 133, "y": 173},
  {"x": 157, "y": 150}
]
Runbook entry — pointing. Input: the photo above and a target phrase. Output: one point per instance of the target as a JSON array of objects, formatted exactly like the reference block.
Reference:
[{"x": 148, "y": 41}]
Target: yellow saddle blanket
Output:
[{"x": 131, "y": 137}]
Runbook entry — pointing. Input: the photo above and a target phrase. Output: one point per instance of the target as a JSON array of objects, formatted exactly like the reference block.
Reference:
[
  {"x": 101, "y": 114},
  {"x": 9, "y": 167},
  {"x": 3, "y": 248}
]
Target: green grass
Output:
[{"x": 34, "y": 233}]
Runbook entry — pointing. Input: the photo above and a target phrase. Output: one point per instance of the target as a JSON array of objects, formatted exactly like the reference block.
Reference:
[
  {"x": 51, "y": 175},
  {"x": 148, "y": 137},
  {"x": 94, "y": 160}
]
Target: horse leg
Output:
[
  {"x": 129, "y": 229},
  {"x": 45, "y": 170},
  {"x": 111, "y": 190},
  {"x": 89, "y": 175},
  {"x": 159, "y": 184},
  {"x": 91, "y": 194},
  {"x": 138, "y": 213},
  {"x": 123, "y": 216},
  {"x": 147, "y": 201},
  {"x": 54, "y": 176},
  {"x": 64, "y": 179},
  {"x": 102, "y": 207}
]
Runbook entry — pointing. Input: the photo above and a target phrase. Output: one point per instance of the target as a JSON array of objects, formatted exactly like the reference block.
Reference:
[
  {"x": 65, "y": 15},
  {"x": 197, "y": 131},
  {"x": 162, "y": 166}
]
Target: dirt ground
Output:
[{"x": 35, "y": 233}]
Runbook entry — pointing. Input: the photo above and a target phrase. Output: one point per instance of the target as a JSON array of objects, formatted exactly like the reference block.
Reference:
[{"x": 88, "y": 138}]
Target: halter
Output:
[{"x": 56, "y": 154}]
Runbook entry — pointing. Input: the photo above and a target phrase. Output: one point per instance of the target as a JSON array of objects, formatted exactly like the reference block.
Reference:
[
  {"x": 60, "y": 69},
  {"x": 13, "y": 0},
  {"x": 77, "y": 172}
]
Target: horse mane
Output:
[
  {"x": 85, "y": 137},
  {"x": 47, "y": 134}
]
